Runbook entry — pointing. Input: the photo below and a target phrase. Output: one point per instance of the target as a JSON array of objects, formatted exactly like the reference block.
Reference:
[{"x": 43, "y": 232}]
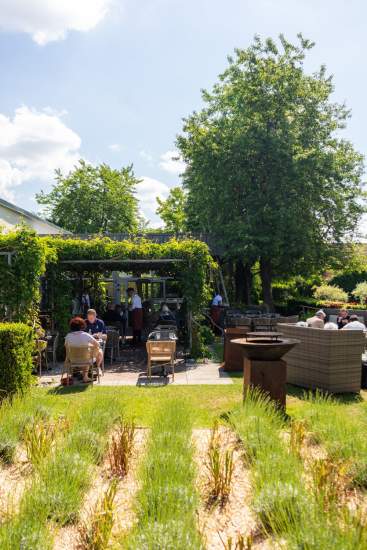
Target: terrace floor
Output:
[{"x": 131, "y": 370}]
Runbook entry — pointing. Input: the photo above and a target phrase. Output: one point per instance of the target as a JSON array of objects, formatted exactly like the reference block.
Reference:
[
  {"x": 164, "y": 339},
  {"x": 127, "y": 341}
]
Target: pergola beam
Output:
[{"x": 168, "y": 260}]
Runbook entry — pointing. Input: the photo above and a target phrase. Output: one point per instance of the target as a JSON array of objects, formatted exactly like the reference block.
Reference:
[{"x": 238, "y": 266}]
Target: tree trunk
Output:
[
  {"x": 243, "y": 278},
  {"x": 266, "y": 280}
]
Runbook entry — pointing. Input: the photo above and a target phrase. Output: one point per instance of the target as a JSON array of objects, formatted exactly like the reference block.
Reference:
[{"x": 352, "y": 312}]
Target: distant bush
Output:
[
  {"x": 331, "y": 293},
  {"x": 340, "y": 305},
  {"x": 16, "y": 348},
  {"x": 348, "y": 281},
  {"x": 360, "y": 292},
  {"x": 199, "y": 348}
]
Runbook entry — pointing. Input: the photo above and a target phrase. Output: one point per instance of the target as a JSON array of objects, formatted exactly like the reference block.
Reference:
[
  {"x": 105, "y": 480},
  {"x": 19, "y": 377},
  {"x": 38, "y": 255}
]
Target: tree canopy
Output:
[
  {"x": 93, "y": 199},
  {"x": 267, "y": 172},
  {"x": 172, "y": 210}
]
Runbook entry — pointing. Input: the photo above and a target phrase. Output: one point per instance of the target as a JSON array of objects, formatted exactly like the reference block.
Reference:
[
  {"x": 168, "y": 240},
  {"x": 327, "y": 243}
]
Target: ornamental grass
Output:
[
  {"x": 290, "y": 508},
  {"x": 61, "y": 479},
  {"x": 167, "y": 500}
]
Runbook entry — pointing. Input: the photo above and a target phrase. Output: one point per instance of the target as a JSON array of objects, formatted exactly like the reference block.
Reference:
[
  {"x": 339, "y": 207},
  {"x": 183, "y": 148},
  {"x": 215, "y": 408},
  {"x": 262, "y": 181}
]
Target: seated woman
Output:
[{"x": 78, "y": 338}]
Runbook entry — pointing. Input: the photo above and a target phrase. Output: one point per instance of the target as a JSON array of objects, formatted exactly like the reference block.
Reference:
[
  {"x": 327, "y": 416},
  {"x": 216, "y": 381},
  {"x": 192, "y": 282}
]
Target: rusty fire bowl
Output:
[{"x": 264, "y": 349}]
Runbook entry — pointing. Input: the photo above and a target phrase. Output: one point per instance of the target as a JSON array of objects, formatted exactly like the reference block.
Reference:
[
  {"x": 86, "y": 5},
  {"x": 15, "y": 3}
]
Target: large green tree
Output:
[
  {"x": 93, "y": 199},
  {"x": 172, "y": 210},
  {"x": 267, "y": 172}
]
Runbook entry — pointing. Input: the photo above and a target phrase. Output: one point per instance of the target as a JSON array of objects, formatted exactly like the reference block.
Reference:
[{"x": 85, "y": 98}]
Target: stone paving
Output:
[{"x": 130, "y": 370}]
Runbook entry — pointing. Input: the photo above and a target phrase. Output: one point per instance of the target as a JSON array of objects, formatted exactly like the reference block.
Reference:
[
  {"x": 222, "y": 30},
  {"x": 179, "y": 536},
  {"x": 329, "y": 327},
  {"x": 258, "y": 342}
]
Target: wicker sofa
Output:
[{"x": 325, "y": 359}]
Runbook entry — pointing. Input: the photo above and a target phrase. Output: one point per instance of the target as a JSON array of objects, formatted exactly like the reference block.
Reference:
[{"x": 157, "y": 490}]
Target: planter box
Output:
[
  {"x": 330, "y": 360},
  {"x": 233, "y": 355}
]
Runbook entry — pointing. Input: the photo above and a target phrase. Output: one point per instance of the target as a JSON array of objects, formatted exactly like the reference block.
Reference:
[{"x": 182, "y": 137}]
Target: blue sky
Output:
[{"x": 111, "y": 80}]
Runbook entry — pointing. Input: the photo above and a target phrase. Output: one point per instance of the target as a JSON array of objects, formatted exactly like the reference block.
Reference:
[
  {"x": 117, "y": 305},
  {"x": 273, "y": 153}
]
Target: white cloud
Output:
[
  {"x": 115, "y": 147},
  {"x": 32, "y": 145},
  {"x": 172, "y": 162},
  {"x": 146, "y": 156},
  {"x": 50, "y": 20},
  {"x": 148, "y": 191}
]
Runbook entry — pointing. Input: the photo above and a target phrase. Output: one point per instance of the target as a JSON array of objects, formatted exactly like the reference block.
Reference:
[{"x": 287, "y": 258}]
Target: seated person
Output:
[
  {"x": 331, "y": 326},
  {"x": 94, "y": 325},
  {"x": 354, "y": 324},
  {"x": 318, "y": 320},
  {"x": 111, "y": 316},
  {"x": 166, "y": 316},
  {"x": 343, "y": 318},
  {"x": 77, "y": 337}
]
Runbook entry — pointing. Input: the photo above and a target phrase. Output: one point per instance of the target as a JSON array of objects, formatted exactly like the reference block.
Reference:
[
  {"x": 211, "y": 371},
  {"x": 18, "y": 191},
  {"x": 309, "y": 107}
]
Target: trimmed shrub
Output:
[
  {"x": 16, "y": 347},
  {"x": 360, "y": 292},
  {"x": 331, "y": 293}
]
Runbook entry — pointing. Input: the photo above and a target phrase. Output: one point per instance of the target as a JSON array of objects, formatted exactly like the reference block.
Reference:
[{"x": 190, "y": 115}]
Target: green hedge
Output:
[{"x": 16, "y": 347}]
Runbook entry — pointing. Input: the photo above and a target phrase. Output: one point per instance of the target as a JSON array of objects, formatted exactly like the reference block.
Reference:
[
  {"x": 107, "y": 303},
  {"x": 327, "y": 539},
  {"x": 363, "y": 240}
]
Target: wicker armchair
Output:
[{"x": 330, "y": 360}]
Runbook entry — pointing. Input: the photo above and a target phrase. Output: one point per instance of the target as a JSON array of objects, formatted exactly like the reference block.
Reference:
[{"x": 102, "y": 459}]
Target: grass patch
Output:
[
  {"x": 142, "y": 403},
  {"x": 167, "y": 499}
]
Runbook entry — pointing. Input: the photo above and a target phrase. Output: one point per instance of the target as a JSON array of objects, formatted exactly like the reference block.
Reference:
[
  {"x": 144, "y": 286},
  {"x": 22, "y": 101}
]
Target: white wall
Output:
[{"x": 9, "y": 219}]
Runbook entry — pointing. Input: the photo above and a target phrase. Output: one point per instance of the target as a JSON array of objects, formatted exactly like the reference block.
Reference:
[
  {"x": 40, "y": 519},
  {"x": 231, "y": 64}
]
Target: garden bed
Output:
[{"x": 188, "y": 467}]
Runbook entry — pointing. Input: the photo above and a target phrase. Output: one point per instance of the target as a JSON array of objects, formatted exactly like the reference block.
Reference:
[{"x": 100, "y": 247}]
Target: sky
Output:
[{"x": 111, "y": 80}]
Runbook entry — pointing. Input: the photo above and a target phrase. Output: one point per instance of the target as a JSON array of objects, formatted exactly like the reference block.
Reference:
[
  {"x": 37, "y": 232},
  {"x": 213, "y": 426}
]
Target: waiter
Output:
[
  {"x": 136, "y": 314},
  {"x": 215, "y": 310}
]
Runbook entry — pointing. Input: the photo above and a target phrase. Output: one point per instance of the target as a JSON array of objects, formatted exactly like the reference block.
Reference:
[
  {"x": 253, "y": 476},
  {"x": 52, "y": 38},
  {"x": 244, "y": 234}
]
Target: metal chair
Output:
[
  {"x": 161, "y": 351},
  {"x": 112, "y": 344},
  {"x": 52, "y": 347},
  {"x": 79, "y": 358}
]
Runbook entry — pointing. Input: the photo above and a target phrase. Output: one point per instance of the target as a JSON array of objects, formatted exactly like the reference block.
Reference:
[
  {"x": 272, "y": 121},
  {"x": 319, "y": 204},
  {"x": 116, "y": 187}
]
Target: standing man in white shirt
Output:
[
  {"x": 215, "y": 310},
  {"x": 136, "y": 309}
]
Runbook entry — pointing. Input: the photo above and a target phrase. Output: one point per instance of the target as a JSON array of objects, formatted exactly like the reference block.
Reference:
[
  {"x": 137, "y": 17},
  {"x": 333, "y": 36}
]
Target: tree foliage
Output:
[
  {"x": 172, "y": 210},
  {"x": 360, "y": 292},
  {"x": 93, "y": 199},
  {"x": 267, "y": 173}
]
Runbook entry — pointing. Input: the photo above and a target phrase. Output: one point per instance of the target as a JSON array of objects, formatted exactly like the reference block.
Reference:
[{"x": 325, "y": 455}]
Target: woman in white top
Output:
[{"x": 78, "y": 338}]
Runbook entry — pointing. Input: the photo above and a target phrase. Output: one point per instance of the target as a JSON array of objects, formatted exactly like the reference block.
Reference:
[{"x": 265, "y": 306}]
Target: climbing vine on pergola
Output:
[{"x": 26, "y": 257}]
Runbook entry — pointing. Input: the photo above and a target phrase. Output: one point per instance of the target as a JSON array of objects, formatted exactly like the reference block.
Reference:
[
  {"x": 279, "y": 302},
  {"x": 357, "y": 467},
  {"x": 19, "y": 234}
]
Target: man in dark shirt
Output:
[{"x": 95, "y": 325}]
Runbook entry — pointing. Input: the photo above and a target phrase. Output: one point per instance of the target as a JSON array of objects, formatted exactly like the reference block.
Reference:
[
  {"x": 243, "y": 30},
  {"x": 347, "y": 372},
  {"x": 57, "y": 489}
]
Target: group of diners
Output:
[
  {"x": 92, "y": 331},
  {"x": 344, "y": 321}
]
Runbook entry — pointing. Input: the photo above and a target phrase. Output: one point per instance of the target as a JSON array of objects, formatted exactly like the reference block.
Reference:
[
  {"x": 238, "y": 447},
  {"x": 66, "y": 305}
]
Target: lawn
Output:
[{"x": 305, "y": 473}]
